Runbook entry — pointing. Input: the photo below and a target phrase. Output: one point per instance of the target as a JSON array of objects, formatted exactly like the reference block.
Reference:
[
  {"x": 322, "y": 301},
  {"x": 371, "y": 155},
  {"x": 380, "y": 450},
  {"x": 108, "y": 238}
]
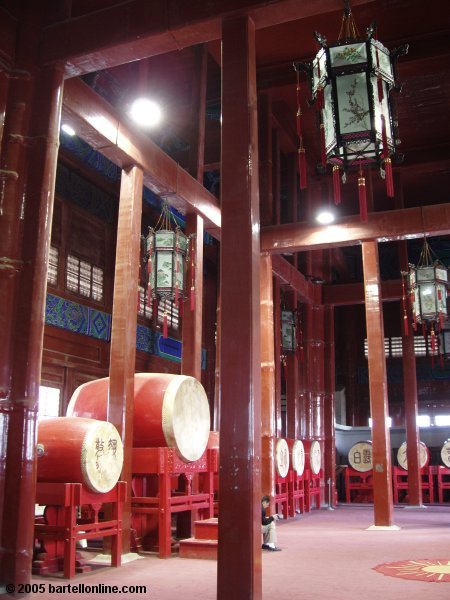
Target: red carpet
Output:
[{"x": 327, "y": 555}]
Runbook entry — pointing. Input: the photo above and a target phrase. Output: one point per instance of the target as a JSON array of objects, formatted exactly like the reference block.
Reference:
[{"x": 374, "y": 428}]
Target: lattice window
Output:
[
  {"x": 53, "y": 262},
  {"x": 396, "y": 347},
  {"x": 144, "y": 310},
  {"x": 49, "y": 401},
  {"x": 84, "y": 279}
]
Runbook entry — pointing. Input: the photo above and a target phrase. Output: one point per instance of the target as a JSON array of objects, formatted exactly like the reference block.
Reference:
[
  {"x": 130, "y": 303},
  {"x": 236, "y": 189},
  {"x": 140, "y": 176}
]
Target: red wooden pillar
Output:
[
  {"x": 192, "y": 319},
  {"x": 4, "y": 84},
  {"x": 410, "y": 398},
  {"x": 29, "y": 157},
  {"x": 191, "y": 363},
  {"x": 239, "y": 552},
  {"x": 277, "y": 353},
  {"x": 123, "y": 330},
  {"x": 198, "y": 113},
  {"x": 381, "y": 445},
  {"x": 409, "y": 379},
  {"x": 265, "y": 158},
  {"x": 292, "y": 379},
  {"x": 276, "y": 194},
  {"x": 217, "y": 389},
  {"x": 329, "y": 429},
  {"x": 268, "y": 429}
]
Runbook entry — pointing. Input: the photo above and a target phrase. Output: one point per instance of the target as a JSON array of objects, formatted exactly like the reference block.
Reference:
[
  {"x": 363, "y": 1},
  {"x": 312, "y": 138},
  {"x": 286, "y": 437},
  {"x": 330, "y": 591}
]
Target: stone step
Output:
[
  {"x": 194, "y": 548},
  {"x": 207, "y": 529}
]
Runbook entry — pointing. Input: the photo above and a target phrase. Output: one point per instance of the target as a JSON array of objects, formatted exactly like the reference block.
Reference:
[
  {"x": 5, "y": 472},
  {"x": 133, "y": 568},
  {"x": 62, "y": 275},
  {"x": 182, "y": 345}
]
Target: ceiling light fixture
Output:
[
  {"x": 68, "y": 129},
  {"x": 325, "y": 217},
  {"x": 145, "y": 112}
]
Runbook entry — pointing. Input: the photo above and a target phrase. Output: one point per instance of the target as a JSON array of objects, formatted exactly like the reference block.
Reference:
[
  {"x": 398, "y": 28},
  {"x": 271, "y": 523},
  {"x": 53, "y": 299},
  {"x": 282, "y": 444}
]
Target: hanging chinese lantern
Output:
[
  {"x": 167, "y": 251},
  {"x": 288, "y": 331},
  {"x": 351, "y": 82},
  {"x": 427, "y": 291}
]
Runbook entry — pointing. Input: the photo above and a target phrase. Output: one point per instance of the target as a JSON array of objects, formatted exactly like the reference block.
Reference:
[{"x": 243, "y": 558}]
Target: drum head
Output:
[
  {"x": 315, "y": 457},
  {"x": 445, "y": 454},
  {"x": 101, "y": 457},
  {"x": 298, "y": 457},
  {"x": 282, "y": 458},
  {"x": 360, "y": 457},
  {"x": 403, "y": 460},
  {"x": 185, "y": 417}
]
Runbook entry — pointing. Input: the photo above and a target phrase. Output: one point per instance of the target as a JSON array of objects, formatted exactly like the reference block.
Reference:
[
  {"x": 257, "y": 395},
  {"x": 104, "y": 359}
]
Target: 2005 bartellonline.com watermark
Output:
[{"x": 71, "y": 588}]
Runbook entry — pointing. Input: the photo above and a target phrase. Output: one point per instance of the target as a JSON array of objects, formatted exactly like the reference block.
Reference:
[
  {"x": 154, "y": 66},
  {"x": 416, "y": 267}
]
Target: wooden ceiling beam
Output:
[
  {"x": 96, "y": 123},
  {"x": 387, "y": 226},
  {"x": 346, "y": 294},
  {"x": 138, "y": 29}
]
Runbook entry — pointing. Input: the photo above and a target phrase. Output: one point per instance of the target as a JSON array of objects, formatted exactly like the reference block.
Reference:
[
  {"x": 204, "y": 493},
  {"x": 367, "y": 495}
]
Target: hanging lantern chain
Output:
[{"x": 348, "y": 24}]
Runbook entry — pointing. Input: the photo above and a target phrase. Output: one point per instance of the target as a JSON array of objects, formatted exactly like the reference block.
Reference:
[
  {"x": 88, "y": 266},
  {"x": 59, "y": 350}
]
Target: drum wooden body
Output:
[
  {"x": 75, "y": 450},
  {"x": 298, "y": 457},
  {"x": 445, "y": 454},
  {"x": 313, "y": 456},
  {"x": 169, "y": 410},
  {"x": 360, "y": 456},
  {"x": 424, "y": 456},
  {"x": 282, "y": 457}
]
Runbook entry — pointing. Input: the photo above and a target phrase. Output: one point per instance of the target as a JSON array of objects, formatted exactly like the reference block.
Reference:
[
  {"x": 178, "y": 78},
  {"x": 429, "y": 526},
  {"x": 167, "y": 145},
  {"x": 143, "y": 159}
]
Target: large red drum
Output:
[
  {"x": 445, "y": 453},
  {"x": 360, "y": 456},
  {"x": 75, "y": 450},
  {"x": 282, "y": 457},
  {"x": 169, "y": 410},
  {"x": 313, "y": 456},
  {"x": 424, "y": 456}
]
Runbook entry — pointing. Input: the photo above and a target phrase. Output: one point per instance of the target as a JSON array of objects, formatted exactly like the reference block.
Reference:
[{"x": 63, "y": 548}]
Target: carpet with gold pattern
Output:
[{"x": 420, "y": 569}]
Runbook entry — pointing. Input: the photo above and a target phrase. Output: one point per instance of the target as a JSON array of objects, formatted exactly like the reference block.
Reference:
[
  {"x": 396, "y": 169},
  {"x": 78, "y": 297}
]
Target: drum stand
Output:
[{"x": 62, "y": 529}]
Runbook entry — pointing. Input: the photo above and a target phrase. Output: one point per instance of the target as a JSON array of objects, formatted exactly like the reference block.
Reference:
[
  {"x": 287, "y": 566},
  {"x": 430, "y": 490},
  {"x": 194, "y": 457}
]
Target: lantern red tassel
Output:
[
  {"x": 302, "y": 168},
  {"x": 405, "y": 324},
  {"x": 441, "y": 320},
  {"x": 192, "y": 298},
  {"x": 389, "y": 178},
  {"x": 380, "y": 89},
  {"x": 323, "y": 154},
  {"x": 320, "y": 99},
  {"x": 301, "y": 354},
  {"x": 362, "y": 197},
  {"x": 165, "y": 329},
  {"x": 336, "y": 185}
]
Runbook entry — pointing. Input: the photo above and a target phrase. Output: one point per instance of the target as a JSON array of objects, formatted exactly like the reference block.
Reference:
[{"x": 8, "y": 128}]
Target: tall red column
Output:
[
  {"x": 268, "y": 417},
  {"x": 381, "y": 444},
  {"x": 123, "y": 330},
  {"x": 239, "y": 553},
  {"x": 409, "y": 377},
  {"x": 329, "y": 429},
  {"x": 191, "y": 363},
  {"x": 28, "y": 164},
  {"x": 410, "y": 399},
  {"x": 292, "y": 377}
]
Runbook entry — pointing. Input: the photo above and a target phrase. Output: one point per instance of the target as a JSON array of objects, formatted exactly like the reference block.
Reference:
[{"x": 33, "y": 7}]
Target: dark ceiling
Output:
[{"x": 422, "y": 106}]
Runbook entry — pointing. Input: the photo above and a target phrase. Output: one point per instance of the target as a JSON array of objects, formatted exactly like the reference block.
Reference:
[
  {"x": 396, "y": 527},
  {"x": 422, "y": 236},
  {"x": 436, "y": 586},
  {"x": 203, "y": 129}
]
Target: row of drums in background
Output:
[
  {"x": 360, "y": 456},
  {"x": 168, "y": 411},
  {"x": 302, "y": 453}
]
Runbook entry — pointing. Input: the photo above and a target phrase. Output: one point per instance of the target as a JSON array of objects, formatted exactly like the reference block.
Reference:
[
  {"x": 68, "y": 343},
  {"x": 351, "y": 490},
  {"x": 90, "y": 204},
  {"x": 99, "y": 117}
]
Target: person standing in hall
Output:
[{"x": 268, "y": 527}]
